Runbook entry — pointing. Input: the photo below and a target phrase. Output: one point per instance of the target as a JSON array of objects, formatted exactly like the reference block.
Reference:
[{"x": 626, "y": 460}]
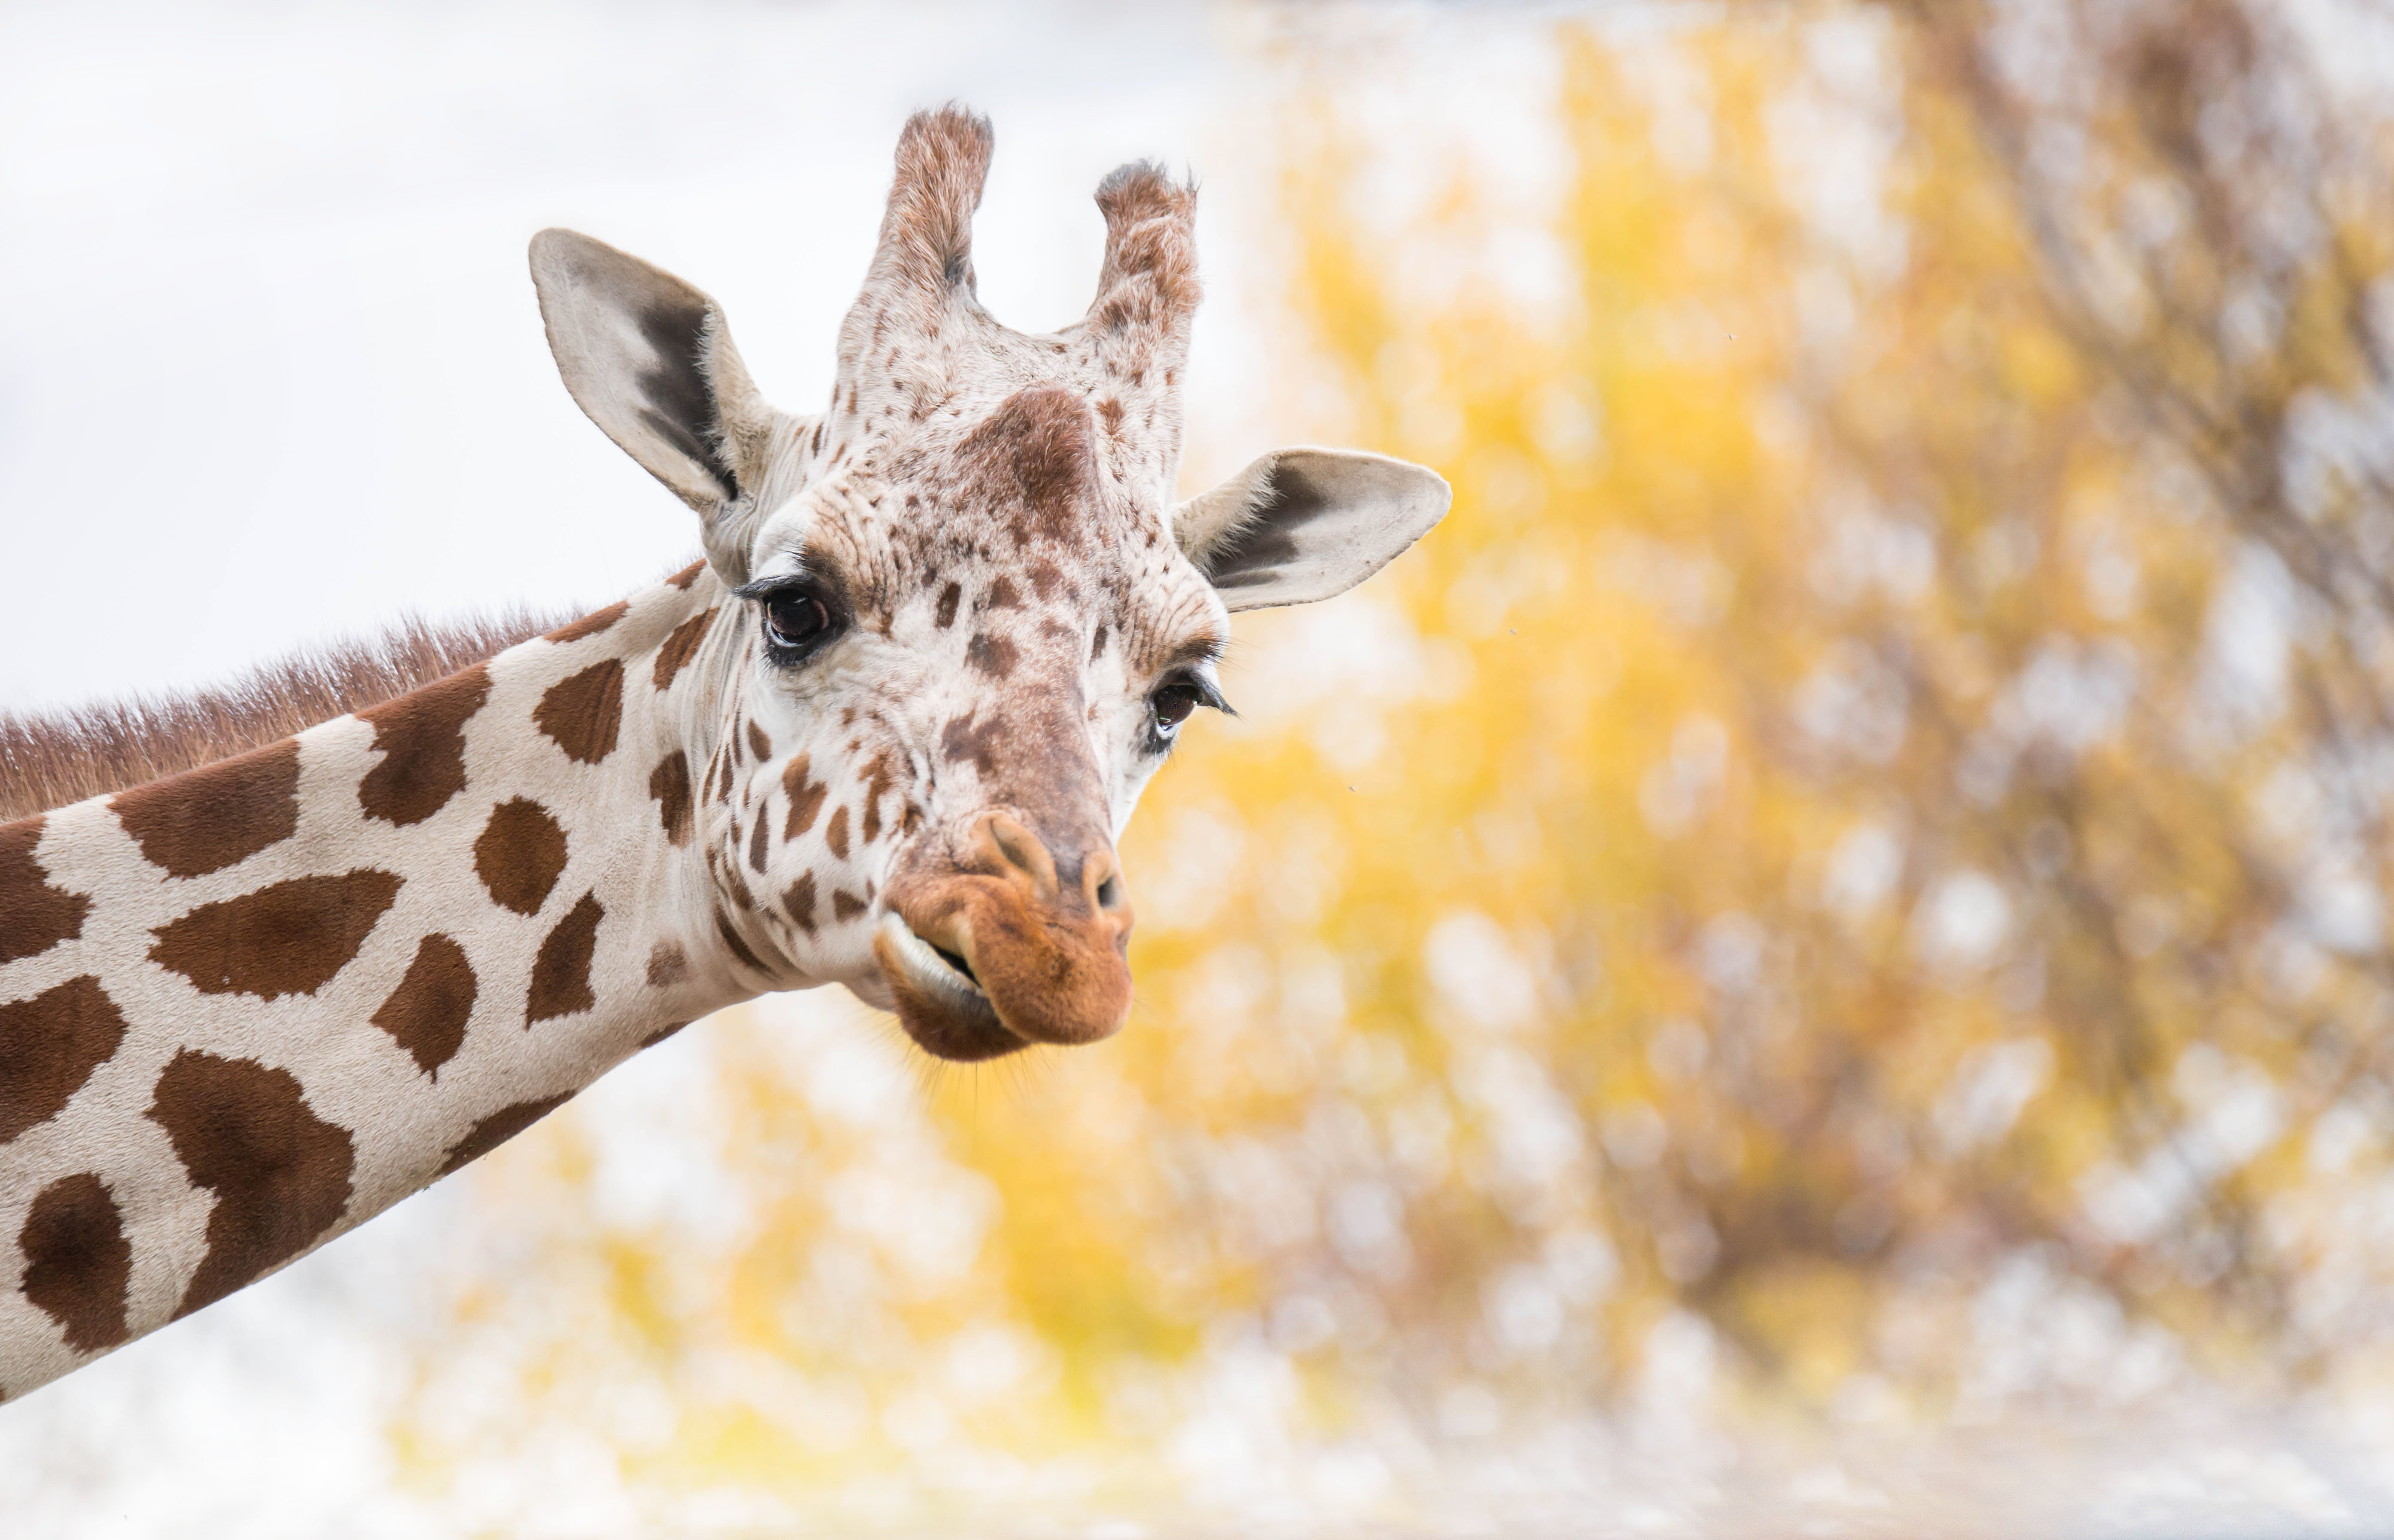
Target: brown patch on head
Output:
[
  {"x": 668, "y": 964},
  {"x": 423, "y": 742},
  {"x": 1037, "y": 458},
  {"x": 496, "y": 1129},
  {"x": 1097, "y": 643},
  {"x": 591, "y": 624},
  {"x": 1110, "y": 411},
  {"x": 1047, "y": 580},
  {"x": 836, "y": 832},
  {"x": 806, "y": 798},
  {"x": 995, "y": 657},
  {"x": 209, "y": 818},
  {"x": 1002, "y": 595},
  {"x": 974, "y": 741},
  {"x": 950, "y": 597},
  {"x": 34, "y": 917},
  {"x": 756, "y": 844},
  {"x": 844, "y": 907},
  {"x": 758, "y": 745},
  {"x": 286, "y": 939},
  {"x": 669, "y": 784},
  {"x": 77, "y": 1261},
  {"x": 680, "y": 648},
  {"x": 688, "y": 576},
  {"x": 49, "y": 1045},
  {"x": 560, "y": 972},
  {"x": 583, "y": 712},
  {"x": 281, "y": 1174},
  {"x": 520, "y": 854},
  {"x": 800, "y": 902},
  {"x": 427, "y": 1014},
  {"x": 876, "y": 786}
]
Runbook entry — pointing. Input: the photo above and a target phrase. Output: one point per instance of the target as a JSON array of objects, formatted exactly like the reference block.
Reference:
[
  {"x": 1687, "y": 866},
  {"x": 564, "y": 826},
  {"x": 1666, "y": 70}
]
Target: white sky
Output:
[{"x": 271, "y": 367}]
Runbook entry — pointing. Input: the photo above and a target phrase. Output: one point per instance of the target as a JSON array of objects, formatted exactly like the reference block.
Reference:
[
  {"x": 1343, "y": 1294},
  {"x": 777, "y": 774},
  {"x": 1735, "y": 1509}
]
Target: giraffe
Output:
[{"x": 884, "y": 735}]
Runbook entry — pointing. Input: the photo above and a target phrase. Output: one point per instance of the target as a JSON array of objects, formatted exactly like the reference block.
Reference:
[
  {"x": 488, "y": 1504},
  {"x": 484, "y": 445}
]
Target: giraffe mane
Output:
[{"x": 51, "y": 758}]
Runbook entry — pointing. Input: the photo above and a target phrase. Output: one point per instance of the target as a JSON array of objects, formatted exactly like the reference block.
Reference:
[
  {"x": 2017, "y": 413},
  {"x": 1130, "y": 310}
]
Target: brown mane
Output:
[{"x": 51, "y": 759}]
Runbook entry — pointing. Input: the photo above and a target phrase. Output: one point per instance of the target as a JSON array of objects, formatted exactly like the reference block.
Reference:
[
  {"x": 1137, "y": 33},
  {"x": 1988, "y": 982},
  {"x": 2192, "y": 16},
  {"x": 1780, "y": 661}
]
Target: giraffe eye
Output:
[
  {"x": 795, "y": 619},
  {"x": 1172, "y": 705}
]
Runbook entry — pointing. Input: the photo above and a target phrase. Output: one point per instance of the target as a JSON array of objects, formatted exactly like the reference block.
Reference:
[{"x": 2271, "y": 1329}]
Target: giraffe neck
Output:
[{"x": 244, "y": 1008}]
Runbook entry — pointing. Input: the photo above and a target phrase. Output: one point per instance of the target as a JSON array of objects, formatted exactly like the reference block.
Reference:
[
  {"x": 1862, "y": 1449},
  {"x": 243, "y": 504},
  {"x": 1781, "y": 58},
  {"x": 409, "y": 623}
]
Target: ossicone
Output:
[
  {"x": 1149, "y": 275},
  {"x": 926, "y": 230}
]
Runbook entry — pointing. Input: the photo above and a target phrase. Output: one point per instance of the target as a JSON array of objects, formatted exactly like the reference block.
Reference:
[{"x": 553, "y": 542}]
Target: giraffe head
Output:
[{"x": 963, "y": 619}]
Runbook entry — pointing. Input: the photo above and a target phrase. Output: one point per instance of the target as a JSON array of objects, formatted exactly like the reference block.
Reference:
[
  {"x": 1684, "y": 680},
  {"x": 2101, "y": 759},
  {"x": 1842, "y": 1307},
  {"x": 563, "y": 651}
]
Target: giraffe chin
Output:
[{"x": 977, "y": 972}]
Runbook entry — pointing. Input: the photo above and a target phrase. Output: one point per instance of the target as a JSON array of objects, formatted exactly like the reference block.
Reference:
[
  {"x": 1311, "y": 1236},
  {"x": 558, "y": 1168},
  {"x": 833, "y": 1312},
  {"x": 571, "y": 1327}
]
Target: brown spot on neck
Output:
[
  {"x": 77, "y": 1261},
  {"x": 286, "y": 939},
  {"x": 496, "y": 1129},
  {"x": 34, "y": 917},
  {"x": 560, "y": 973},
  {"x": 800, "y": 902},
  {"x": 422, "y": 737},
  {"x": 680, "y": 648},
  {"x": 669, "y": 784},
  {"x": 740, "y": 948},
  {"x": 758, "y": 745},
  {"x": 582, "y": 713},
  {"x": 950, "y": 597},
  {"x": 836, "y": 832},
  {"x": 427, "y": 1014},
  {"x": 668, "y": 964},
  {"x": 281, "y": 1174},
  {"x": 49, "y": 1046},
  {"x": 520, "y": 854},
  {"x": 806, "y": 797},
  {"x": 591, "y": 624},
  {"x": 211, "y": 818}
]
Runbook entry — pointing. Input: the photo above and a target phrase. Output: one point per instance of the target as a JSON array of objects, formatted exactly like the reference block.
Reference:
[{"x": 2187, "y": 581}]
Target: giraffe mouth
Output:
[{"x": 939, "y": 999}]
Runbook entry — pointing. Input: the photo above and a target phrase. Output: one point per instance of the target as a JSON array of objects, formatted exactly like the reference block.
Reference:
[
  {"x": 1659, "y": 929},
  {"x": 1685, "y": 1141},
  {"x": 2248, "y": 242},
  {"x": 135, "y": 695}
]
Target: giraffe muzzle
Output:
[{"x": 1004, "y": 947}]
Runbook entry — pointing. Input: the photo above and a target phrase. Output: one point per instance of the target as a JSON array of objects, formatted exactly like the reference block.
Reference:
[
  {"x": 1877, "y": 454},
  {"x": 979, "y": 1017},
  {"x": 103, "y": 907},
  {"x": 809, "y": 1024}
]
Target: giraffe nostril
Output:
[{"x": 1109, "y": 893}]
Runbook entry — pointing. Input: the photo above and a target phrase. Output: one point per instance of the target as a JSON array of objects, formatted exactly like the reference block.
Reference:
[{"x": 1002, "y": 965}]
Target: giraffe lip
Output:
[
  {"x": 928, "y": 966},
  {"x": 961, "y": 966},
  {"x": 939, "y": 1002}
]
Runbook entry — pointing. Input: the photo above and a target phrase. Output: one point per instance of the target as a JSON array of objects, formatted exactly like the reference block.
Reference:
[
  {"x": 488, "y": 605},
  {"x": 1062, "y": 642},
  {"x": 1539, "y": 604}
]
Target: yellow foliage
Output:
[{"x": 1806, "y": 847}]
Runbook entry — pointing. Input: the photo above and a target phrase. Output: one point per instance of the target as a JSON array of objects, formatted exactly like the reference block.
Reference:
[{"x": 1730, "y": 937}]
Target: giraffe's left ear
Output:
[
  {"x": 650, "y": 359},
  {"x": 1304, "y": 524}
]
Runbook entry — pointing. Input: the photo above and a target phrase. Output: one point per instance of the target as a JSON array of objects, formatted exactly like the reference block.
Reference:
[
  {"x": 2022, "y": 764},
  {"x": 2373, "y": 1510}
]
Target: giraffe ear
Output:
[
  {"x": 650, "y": 359},
  {"x": 1305, "y": 524}
]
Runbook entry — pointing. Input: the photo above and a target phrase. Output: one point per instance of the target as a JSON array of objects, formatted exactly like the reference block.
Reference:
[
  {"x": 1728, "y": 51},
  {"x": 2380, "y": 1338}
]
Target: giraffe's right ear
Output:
[{"x": 650, "y": 359}]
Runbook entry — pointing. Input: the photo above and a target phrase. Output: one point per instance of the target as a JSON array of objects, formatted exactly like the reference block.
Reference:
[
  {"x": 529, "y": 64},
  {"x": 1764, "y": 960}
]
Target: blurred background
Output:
[{"x": 1816, "y": 960}]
